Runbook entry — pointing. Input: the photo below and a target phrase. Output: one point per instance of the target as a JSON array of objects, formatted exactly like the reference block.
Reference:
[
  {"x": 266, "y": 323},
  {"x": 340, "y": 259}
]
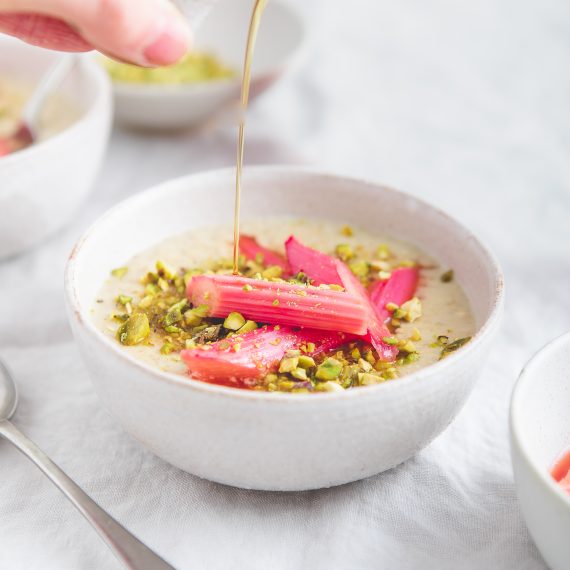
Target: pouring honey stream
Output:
[{"x": 258, "y": 9}]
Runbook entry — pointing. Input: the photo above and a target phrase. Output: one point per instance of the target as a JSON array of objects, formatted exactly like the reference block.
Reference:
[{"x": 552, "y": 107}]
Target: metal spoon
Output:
[
  {"x": 128, "y": 549},
  {"x": 26, "y": 133}
]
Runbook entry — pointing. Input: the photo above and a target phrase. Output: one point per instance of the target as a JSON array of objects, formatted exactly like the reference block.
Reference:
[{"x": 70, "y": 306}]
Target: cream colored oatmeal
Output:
[{"x": 445, "y": 313}]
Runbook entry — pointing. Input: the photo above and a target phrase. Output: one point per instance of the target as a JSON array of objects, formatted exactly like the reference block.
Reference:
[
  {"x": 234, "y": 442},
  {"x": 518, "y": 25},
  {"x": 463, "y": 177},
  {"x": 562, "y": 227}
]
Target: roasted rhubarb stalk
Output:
[
  {"x": 279, "y": 302},
  {"x": 254, "y": 354},
  {"x": 318, "y": 266},
  {"x": 399, "y": 288},
  {"x": 377, "y": 330},
  {"x": 249, "y": 247}
]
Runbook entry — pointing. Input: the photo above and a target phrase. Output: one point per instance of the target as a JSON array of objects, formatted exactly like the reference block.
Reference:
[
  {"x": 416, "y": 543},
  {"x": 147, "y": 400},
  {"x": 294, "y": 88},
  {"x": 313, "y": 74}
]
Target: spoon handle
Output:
[
  {"x": 50, "y": 81},
  {"x": 128, "y": 549}
]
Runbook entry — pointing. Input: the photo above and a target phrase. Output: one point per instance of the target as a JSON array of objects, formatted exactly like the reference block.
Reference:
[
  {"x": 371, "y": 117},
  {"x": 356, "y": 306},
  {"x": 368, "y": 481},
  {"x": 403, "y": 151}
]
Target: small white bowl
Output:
[
  {"x": 42, "y": 185},
  {"x": 540, "y": 432},
  {"x": 224, "y": 34},
  {"x": 274, "y": 441}
]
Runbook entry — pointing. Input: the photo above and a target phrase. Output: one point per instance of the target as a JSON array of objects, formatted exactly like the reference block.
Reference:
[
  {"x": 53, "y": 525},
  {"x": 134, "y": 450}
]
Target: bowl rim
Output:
[
  {"x": 527, "y": 376},
  {"x": 142, "y": 90},
  {"x": 81, "y": 314},
  {"x": 102, "y": 90}
]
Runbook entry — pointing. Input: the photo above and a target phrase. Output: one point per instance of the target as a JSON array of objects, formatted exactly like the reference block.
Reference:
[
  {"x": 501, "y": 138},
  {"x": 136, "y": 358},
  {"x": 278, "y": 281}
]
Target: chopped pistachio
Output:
[
  {"x": 275, "y": 302},
  {"x": 174, "y": 314},
  {"x": 391, "y": 340},
  {"x": 407, "y": 263},
  {"x": 172, "y": 329},
  {"x": 164, "y": 271},
  {"x": 192, "y": 319},
  {"x": 367, "y": 379},
  {"x": 247, "y": 327},
  {"x": 344, "y": 251},
  {"x": 359, "y": 268},
  {"x": 120, "y": 272},
  {"x": 190, "y": 344},
  {"x": 272, "y": 271},
  {"x": 447, "y": 277},
  {"x": 383, "y": 251},
  {"x": 380, "y": 265},
  {"x": 311, "y": 347},
  {"x": 453, "y": 346},
  {"x": 392, "y": 307},
  {"x": 336, "y": 287},
  {"x": 120, "y": 318},
  {"x": 134, "y": 330},
  {"x": 124, "y": 299},
  {"x": 288, "y": 364},
  {"x": 330, "y": 369},
  {"x": 369, "y": 357},
  {"x": 408, "y": 346},
  {"x": 299, "y": 374},
  {"x": 152, "y": 289},
  {"x": 412, "y": 357},
  {"x": 442, "y": 340},
  {"x": 364, "y": 365},
  {"x": 355, "y": 353},
  {"x": 416, "y": 335},
  {"x": 247, "y": 287},
  {"x": 384, "y": 275},
  {"x": 234, "y": 321},
  {"x": 329, "y": 387},
  {"x": 202, "y": 310},
  {"x": 306, "y": 362},
  {"x": 411, "y": 309},
  {"x": 347, "y": 231},
  {"x": 145, "y": 302},
  {"x": 163, "y": 284},
  {"x": 167, "y": 348}
]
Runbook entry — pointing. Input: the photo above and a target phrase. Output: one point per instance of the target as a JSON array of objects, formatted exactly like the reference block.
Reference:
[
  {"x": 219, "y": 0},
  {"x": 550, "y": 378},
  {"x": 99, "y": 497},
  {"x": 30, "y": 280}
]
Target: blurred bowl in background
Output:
[
  {"x": 42, "y": 186},
  {"x": 223, "y": 34},
  {"x": 540, "y": 432}
]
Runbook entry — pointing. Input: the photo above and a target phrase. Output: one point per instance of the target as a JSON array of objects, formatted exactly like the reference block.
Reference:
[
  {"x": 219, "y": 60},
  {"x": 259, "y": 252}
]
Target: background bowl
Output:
[
  {"x": 540, "y": 432},
  {"x": 41, "y": 186},
  {"x": 268, "y": 440},
  {"x": 224, "y": 33}
]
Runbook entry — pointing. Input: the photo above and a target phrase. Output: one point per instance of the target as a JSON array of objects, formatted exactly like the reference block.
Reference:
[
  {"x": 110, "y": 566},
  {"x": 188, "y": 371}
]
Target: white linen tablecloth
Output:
[{"x": 465, "y": 104}]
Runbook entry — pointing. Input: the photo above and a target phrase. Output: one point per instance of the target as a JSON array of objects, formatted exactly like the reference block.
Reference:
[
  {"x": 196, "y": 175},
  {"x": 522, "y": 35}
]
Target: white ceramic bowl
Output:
[
  {"x": 540, "y": 432},
  {"x": 224, "y": 34},
  {"x": 42, "y": 186},
  {"x": 269, "y": 440}
]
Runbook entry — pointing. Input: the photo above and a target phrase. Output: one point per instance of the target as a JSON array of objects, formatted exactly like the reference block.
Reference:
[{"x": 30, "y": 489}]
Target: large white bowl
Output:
[
  {"x": 42, "y": 186},
  {"x": 268, "y": 440},
  {"x": 224, "y": 33},
  {"x": 540, "y": 432}
]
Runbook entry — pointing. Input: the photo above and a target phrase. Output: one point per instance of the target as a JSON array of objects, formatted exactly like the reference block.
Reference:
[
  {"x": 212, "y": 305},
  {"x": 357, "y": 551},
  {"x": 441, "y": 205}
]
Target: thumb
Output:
[{"x": 146, "y": 32}]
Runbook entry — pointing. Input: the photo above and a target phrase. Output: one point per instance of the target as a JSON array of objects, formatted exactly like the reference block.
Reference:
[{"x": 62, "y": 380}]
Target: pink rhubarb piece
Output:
[
  {"x": 254, "y": 354},
  {"x": 318, "y": 266},
  {"x": 399, "y": 288},
  {"x": 249, "y": 246},
  {"x": 280, "y": 303}
]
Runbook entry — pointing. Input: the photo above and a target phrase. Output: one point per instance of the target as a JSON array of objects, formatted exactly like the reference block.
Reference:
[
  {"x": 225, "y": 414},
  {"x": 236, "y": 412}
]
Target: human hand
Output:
[{"x": 145, "y": 32}]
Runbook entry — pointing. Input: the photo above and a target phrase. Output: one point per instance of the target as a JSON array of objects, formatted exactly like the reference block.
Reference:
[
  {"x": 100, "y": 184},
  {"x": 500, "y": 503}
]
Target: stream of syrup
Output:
[{"x": 246, "y": 79}]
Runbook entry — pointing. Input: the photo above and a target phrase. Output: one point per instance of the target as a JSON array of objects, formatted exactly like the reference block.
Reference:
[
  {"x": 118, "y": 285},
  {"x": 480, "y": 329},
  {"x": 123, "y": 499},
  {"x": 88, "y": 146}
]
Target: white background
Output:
[{"x": 463, "y": 103}]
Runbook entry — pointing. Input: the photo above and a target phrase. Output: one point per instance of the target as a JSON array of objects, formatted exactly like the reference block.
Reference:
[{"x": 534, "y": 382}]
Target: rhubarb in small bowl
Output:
[{"x": 345, "y": 343}]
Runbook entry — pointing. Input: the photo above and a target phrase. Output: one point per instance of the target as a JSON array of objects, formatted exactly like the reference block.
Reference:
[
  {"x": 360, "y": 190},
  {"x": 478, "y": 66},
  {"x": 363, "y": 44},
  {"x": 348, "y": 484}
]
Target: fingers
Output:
[
  {"x": 43, "y": 31},
  {"x": 146, "y": 32}
]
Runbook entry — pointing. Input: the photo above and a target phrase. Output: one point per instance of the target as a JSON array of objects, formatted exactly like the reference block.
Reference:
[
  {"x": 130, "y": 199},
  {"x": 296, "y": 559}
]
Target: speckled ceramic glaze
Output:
[
  {"x": 266, "y": 440},
  {"x": 223, "y": 34},
  {"x": 540, "y": 432},
  {"x": 42, "y": 186}
]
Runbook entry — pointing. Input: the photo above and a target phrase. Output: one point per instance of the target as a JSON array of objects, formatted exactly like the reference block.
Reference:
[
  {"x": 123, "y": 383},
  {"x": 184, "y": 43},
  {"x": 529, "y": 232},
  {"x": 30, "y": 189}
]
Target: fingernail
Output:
[{"x": 171, "y": 44}]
